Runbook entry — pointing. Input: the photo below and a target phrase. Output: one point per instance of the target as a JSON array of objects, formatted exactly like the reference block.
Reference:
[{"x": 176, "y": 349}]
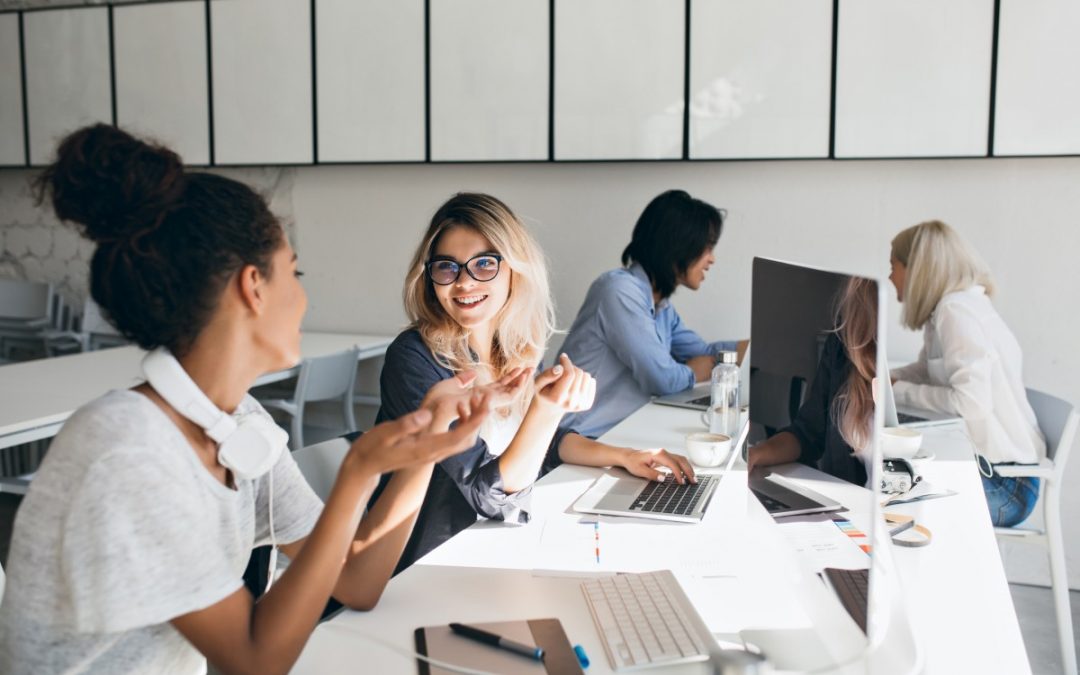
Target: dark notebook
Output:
[{"x": 438, "y": 642}]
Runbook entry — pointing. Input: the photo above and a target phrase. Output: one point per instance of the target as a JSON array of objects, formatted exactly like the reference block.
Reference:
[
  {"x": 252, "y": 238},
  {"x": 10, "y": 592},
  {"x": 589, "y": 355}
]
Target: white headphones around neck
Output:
[{"x": 248, "y": 446}]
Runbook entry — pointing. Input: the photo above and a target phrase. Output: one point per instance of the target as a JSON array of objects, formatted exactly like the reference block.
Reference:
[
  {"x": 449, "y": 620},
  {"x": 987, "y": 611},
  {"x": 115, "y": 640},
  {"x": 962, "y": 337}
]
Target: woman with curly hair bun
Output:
[{"x": 128, "y": 551}]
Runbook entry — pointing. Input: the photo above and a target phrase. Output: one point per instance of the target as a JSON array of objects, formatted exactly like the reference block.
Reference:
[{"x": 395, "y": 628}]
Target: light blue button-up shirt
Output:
[{"x": 634, "y": 348}]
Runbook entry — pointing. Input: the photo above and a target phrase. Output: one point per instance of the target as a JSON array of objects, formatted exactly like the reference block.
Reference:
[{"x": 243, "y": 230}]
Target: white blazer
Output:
[{"x": 970, "y": 365}]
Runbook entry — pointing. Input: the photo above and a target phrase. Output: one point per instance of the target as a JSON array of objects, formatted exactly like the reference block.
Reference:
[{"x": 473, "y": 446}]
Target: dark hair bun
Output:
[{"x": 111, "y": 183}]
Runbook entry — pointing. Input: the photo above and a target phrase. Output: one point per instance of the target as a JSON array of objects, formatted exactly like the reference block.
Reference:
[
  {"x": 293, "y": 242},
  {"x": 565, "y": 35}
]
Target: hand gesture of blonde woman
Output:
[{"x": 565, "y": 387}]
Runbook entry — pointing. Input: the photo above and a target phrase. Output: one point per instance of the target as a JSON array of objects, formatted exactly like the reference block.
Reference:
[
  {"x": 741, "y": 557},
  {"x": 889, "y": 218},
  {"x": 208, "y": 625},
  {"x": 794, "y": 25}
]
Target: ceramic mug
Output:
[{"x": 707, "y": 449}]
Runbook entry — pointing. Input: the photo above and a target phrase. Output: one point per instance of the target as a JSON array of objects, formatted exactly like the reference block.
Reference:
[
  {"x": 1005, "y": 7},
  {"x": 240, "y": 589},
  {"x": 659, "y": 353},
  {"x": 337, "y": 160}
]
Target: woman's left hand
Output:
[
  {"x": 565, "y": 387},
  {"x": 646, "y": 463}
]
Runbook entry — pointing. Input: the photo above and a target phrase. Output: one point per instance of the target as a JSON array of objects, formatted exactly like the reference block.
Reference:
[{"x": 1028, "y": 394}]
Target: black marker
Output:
[{"x": 497, "y": 641}]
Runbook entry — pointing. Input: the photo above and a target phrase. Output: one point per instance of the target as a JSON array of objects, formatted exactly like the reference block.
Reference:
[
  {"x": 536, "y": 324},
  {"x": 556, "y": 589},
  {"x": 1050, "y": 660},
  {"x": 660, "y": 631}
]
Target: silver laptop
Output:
[
  {"x": 782, "y": 497},
  {"x": 618, "y": 493},
  {"x": 694, "y": 398},
  {"x": 906, "y": 416}
]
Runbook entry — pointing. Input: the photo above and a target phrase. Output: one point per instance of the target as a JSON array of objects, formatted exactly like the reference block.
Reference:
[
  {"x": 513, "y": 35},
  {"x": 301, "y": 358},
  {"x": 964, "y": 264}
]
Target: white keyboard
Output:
[{"x": 646, "y": 620}]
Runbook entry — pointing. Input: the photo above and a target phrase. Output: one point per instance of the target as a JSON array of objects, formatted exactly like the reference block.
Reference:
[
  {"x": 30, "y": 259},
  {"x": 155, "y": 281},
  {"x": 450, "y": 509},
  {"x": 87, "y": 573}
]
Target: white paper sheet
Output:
[
  {"x": 822, "y": 544},
  {"x": 568, "y": 547}
]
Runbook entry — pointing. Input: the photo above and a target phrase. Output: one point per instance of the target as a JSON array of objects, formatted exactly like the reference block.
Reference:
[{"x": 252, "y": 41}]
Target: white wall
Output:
[{"x": 356, "y": 227}]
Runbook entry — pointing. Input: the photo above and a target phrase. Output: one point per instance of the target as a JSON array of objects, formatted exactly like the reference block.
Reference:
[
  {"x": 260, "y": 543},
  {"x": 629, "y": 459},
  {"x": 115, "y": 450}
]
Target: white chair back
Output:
[
  {"x": 25, "y": 301},
  {"x": 320, "y": 464},
  {"x": 327, "y": 377},
  {"x": 1058, "y": 421}
]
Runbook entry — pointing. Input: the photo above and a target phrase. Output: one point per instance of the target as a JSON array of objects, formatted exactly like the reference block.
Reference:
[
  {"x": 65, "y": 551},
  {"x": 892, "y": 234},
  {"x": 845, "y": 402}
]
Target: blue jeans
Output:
[{"x": 1011, "y": 500}]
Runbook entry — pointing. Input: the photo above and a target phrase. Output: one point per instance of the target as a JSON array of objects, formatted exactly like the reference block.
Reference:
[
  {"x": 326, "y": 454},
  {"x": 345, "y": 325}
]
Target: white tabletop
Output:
[
  {"x": 37, "y": 396},
  {"x": 955, "y": 589}
]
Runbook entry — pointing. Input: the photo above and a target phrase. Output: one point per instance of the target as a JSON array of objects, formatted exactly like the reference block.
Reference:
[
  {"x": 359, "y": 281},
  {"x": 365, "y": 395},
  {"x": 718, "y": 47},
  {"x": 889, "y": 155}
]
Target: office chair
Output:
[
  {"x": 1058, "y": 420},
  {"x": 319, "y": 464},
  {"x": 321, "y": 378}
]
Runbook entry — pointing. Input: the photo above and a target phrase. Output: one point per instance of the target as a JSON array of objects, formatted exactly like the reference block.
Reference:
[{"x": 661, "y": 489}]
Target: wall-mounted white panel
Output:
[
  {"x": 261, "y": 61},
  {"x": 67, "y": 75},
  {"x": 747, "y": 97},
  {"x": 489, "y": 79},
  {"x": 161, "y": 80},
  {"x": 1038, "y": 78},
  {"x": 370, "y": 63},
  {"x": 12, "y": 148},
  {"x": 619, "y": 74},
  {"x": 913, "y": 78}
]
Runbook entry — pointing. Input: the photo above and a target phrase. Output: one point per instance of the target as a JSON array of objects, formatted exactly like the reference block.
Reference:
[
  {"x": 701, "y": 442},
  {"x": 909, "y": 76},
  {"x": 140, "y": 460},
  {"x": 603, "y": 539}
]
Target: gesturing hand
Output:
[
  {"x": 409, "y": 440},
  {"x": 443, "y": 398},
  {"x": 565, "y": 387},
  {"x": 503, "y": 391}
]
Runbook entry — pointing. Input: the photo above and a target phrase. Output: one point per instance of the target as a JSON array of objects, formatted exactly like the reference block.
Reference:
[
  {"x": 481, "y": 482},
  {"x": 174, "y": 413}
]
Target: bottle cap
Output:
[{"x": 727, "y": 357}]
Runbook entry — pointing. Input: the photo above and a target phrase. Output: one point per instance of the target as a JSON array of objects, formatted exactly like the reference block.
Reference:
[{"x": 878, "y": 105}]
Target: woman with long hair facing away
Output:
[
  {"x": 128, "y": 551},
  {"x": 832, "y": 429},
  {"x": 477, "y": 296},
  {"x": 970, "y": 363}
]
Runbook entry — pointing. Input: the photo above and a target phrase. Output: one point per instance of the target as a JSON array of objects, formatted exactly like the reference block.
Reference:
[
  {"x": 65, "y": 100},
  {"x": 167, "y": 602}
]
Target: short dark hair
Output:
[
  {"x": 168, "y": 240},
  {"x": 672, "y": 232}
]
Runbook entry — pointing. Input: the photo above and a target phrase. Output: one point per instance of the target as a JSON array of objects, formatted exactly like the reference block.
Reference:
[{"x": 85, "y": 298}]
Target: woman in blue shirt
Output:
[{"x": 627, "y": 333}]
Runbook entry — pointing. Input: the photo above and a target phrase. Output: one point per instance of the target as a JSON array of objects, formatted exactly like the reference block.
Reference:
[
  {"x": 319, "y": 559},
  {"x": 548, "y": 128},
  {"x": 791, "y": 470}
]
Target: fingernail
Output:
[
  {"x": 557, "y": 370},
  {"x": 661, "y": 478}
]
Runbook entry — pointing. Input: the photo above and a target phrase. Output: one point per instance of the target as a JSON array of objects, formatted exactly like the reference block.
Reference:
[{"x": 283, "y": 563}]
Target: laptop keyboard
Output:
[
  {"x": 702, "y": 401},
  {"x": 904, "y": 418},
  {"x": 670, "y": 497},
  {"x": 646, "y": 619},
  {"x": 852, "y": 587},
  {"x": 768, "y": 502}
]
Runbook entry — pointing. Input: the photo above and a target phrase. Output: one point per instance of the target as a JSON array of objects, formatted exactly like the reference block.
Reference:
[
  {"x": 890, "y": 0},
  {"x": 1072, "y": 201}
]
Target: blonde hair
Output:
[
  {"x": 938, "y": 262},
  {"x": 853, "y": 405},
  {"x": 522, "y": 326}
]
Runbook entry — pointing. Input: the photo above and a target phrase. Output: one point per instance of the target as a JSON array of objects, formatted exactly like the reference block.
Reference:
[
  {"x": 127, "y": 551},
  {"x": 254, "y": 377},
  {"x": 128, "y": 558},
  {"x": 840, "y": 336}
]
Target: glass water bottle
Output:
[{"x": 724, "y": 396}]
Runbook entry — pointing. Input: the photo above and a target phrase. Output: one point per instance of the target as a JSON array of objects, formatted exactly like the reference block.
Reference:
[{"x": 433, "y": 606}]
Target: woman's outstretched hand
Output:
[
  {"x": 565, "y": 387},
  {"x": 414, "y": 438}
]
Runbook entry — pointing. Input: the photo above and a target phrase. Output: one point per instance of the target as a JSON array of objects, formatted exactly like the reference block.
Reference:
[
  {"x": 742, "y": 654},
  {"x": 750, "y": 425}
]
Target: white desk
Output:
[
  {"x": 36, "y": 397},
  {"x": 956, "y": 593}
]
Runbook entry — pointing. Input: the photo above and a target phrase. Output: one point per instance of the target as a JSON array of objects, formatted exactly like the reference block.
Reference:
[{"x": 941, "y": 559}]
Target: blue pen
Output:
[{"x": 497, "y": 641}]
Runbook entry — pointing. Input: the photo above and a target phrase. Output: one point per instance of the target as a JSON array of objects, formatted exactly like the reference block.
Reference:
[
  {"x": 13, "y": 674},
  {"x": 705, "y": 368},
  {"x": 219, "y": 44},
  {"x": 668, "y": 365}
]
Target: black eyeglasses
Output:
[{"x": 445, "y": 271}]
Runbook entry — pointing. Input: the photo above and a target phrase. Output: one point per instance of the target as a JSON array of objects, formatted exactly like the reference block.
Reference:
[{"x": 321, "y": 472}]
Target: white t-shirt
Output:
[{"x": 123, "y": 530}]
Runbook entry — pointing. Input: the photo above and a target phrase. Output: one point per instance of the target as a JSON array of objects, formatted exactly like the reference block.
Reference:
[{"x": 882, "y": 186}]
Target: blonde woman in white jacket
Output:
[{"x": 970, "y": 364}]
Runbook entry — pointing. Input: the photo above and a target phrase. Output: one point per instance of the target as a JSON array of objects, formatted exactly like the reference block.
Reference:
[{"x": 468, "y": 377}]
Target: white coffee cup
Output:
[
  {"x": 900, "y": 442},
  {"x": 707, "y": 449}
]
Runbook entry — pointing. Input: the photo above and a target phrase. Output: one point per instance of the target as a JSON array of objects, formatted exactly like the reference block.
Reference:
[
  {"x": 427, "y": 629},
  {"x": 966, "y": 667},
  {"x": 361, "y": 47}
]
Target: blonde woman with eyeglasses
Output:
[
  {"x": 970, "y": 364},
  {"x": 478, "y": 300}
]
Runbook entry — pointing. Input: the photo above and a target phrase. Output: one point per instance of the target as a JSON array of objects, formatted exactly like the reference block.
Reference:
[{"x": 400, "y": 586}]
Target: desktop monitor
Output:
[{"x": 794, "y": 310}]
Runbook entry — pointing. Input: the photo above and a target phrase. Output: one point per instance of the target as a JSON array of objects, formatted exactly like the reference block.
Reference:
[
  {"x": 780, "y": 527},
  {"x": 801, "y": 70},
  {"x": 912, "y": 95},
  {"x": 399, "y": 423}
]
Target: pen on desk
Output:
[
  {"x": 497, "y": 641},
  {"x": 596, "y": 530}
]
